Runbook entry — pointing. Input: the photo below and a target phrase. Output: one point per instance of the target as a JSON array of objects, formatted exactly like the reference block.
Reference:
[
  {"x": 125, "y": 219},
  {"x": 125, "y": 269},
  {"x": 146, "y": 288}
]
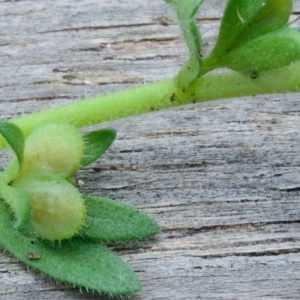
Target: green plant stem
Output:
[{"x": 163, "y": 94}]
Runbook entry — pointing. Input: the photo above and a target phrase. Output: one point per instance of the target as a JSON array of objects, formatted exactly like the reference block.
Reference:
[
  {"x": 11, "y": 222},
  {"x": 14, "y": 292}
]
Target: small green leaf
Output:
[
  {"x": 244, "y": 23},
  {"x": 14, "y": 137},
  {"x": 245, "y": 20},
  {"x": 185, "y": 11},
  {"x": 76, "y": 262},
  {"x": 20, "y": 205},
  {"x": 96, "y": 144},
  {"x": 111, "y": 221},
  {"x": 273, "y": 50}
]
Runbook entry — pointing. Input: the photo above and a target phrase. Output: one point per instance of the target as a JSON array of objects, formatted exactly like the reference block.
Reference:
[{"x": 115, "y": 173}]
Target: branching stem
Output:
[{"x": 164, "y": 94}]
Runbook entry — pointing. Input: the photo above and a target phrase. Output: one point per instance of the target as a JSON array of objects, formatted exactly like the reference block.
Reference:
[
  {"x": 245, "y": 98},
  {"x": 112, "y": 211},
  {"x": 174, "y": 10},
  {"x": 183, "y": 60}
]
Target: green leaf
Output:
[
  {"x": 96, "y": 144},
  {"x": 245, "y": 20},
  {"x": 76, "y": 262},
  {"x": 185, "y": 11},
  {"x": 16, "y": 198},
  {"x": 20, "y": 205},
  {"x": 273, "y": 50},
  {"x": 242, "y": 24},
  {"x": 14, "y": 137},
  {"x": 111, "y": 221}
]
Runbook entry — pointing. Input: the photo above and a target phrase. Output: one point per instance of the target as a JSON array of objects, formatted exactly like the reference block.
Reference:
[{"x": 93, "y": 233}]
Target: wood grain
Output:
[{"x": 222, "y": 179}]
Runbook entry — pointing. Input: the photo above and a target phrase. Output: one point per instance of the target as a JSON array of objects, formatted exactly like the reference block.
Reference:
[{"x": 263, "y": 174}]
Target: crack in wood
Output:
[{"x": 102, "y": 27}]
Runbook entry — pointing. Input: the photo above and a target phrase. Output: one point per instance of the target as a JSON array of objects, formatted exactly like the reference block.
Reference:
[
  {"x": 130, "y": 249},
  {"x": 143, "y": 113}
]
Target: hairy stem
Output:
[{"x": 164, "y": 94}]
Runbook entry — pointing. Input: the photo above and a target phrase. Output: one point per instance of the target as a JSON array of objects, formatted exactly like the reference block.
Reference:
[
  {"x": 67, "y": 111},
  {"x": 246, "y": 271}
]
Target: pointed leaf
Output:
[
  {"x": 111, "y": 221},
  {"x": 14, "y": 137},
  {"x": 277, "y": 49},
  {"x": 76, "y": 262},
  {"x": 185, "y": 12},
  {"x": 96, "y": 144},
  {"x": 20, "y": 205},
  {"x": 243, "y": 22}
]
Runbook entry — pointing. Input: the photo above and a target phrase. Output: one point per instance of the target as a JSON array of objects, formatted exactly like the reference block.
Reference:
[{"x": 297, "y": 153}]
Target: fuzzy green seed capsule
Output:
[
  {"x": 55, "y": 148},
  {"x": 57, "y": 208},
  {"x": 53, "y": 153}
]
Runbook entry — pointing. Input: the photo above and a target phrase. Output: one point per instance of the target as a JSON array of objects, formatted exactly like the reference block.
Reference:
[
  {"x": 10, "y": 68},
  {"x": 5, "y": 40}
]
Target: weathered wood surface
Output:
[{"x": 222, "y": 179}]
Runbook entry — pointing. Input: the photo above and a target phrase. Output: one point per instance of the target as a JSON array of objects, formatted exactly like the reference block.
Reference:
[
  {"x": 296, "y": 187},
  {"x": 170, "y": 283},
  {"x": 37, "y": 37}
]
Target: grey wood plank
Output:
[{"x": 222, "y": 179}]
